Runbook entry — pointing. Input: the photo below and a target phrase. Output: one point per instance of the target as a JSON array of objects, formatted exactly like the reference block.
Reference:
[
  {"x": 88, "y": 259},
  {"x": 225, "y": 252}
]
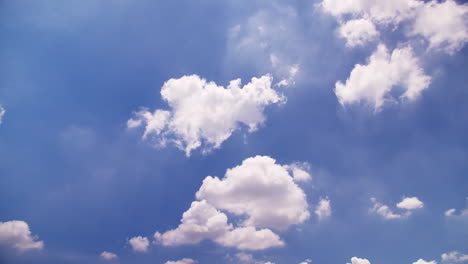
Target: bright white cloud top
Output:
[
  {"x": 108, "y": 255},
  {"x": 356, "y": 260},
  {"x": 253, "y": 189},
  {"x": 358, "y": 32},
  {"x": 410, "y": 203},
  {"x": 422, "y": 261},
  {"x": 454, "y": 257},
  {"x": 249, "y": 190},
  {"x": 203, "y": 114},
  {"x": 139, "y": 244},
  {"x": 374, "y": 83},
  {"x": 16, "y": 234},
  {"x": 299, "y": 171},
  {"x": 182, "y": 261}
]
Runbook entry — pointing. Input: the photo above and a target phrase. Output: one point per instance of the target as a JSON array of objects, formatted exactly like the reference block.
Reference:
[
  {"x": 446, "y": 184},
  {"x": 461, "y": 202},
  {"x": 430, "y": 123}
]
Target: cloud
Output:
[
  {"x": 449, "y": 32},
  {"x": 269, "y": 40},
  {"x": 374, "y": 82},
  {"x": 202, "y": 221},
  {"x": 307, "y": 261},
  {"x": 2, "y": 113},
  {"x": 356, "y": 260},
  {"x": 255, "y": 187},
  {"x": 410, "y": 203},
  {"x": 383, "y": 210},
  {"x": 203, "y": 114},
  {"x": 422, "y": 261},
  {"x": 108, "y": 255},
  {"x": 358, "y": 32},
  {"x": 454, "y": 257},
  {"x": 139, "y": 244},
  {"x": 323, "y": 210},
  {"x": 299, "y": 171},
  {"x": 16, "y": 234},
  {"x": 182, "y": 261}
]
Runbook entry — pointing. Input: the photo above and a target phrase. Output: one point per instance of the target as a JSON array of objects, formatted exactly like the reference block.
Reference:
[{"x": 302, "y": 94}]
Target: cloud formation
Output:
[
  {"x": 16, "y": 234},
  {"x": 202, "y": 221},
  {"x": 2, "y": 113},
  {"x": 407, "y": 204},
  {"x": 108, "y": 255},
  {"x": 358, "y": 32},
  {"x": 182, "y": 261},
  {"x": 454, "y": 257},
  {"x": 356, "y": 260},
  {"x": 252, "y": 189},
  {"x": 375, "y": 82},
  {"x": 323, "y": 209},
  {"x": 262, "y": 193},
  {"x": 203, "y": 114},
  {"x": 139, "y": 244}
]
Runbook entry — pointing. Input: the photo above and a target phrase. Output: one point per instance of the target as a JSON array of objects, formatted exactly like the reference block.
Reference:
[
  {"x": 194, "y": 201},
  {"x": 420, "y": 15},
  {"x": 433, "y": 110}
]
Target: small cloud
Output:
[
  {"x": 16, "y": 234},
  {"x": 454, "y": 257},
  {"x": 139, "y": 244},
  {"x": 410, "y": 203},
  {"x": 108, "y": 255},
  {"x": 182, "y": 261},
  {"x": 323, "y": 210}
]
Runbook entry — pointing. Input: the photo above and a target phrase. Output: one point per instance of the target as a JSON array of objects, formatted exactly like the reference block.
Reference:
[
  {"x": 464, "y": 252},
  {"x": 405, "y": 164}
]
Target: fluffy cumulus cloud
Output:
[
  {"x": 139, "y": 244},
  {"x": 383, "y": 210},
  {"x": 108, "y": 255},
  {"x": 248, "y": 191},
  {"x": 299, "y": 171},
  {"x": 422, "y": 261},
  {"x": 182, "y": 261},
  {"x": 203, "y": 114},
  {"x": 253, "y": 188},
  {"x": 323, "y": 209},
  {"x": 358, "y": 32},
  {"x": 449, "y": 33},
  {"x": 16, "y": 234},
  {"x": 410, "y": 203},
  {"x": 2, "y": 113},
  {"x": 375, "y": 82},
  {"x": 203, "y": 221},
  {"x": 356, "y": 260},
  {"x": 454, "y": 257}
]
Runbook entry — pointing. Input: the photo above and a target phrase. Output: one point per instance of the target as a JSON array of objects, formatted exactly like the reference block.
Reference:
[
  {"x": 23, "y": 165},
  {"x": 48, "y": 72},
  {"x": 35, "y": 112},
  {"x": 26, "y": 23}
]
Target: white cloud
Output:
[
  {"x": 358, "y": 32},
  {"x": 2, "y": 113},
  {"x": 202, "y": 221},
  {"x": 248, "y": 238},
  {"x": 410, "y": 203},
  {"x": 422, "y": 261},
  {"x": 449, "y": 32},
  {"x": 139, "y": 244},
  {"x": 323, "y": 210},
  {"x": 299, "y": 171},
  {"x": 182, "y": 261},
  {"x": 108, "y": 255},
  {"x": 356, "y": 260},
  {"x": 454, "y": 256},
  {"x": 16, "y": 234},
  {"x": 307, "y": 261},
  {"x": 374, "y": 82},
  {"x": 245, "y": 258},
  {"x": 203, "y": 114},
  {"x": 255, "y": 187},
  {"x": 383, "y": 210},
  {"x": 450, "y": 212}
]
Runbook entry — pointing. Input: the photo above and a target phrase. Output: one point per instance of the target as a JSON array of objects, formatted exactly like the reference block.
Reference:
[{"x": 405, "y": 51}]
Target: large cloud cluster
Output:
[
  {"x": 360, "y": 21},
  {"x": 16, "y": 234},
  {"x": 259, "y": 191}
]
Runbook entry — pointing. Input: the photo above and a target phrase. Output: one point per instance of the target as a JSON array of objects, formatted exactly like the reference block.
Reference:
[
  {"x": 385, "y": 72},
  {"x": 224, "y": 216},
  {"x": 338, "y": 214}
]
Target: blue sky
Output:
[{"x": 80, "y": 83}]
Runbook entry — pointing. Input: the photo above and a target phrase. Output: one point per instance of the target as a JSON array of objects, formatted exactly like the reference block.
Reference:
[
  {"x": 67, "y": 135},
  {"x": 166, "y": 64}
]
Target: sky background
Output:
[{"x": 73, "y": 72}]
